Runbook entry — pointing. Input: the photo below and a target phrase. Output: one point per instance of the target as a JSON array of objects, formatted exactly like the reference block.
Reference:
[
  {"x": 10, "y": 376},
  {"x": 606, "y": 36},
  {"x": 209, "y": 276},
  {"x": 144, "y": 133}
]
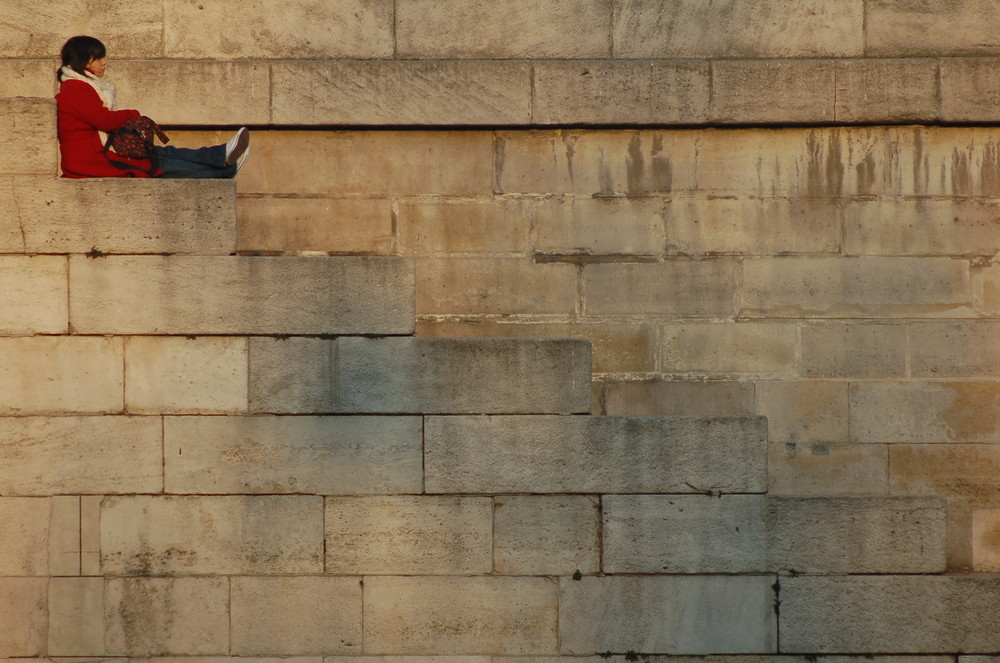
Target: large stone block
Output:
[
  {"x": 419, "y": 375},
  {"x": 401, "y": 93},
  {"x": 28, "y": 78},
  {"x": 886, "y": 614},
  {"x": 90, "y": 534},
  {"x": 27, "y": 136},
  {"x": 24, "y": 546},
  {"x": 942, "y": 161},
  {"x": 49, "y": 215},
  {"x": 39, "y": 31},
  {"x": 965, "y": 472},
  {"x": 612, "y": 226},
  {"x": 768, "y": 91},
  {"x": 295, "y": 616},
  {"x": 64, "y": 536},
  {"x": 241, "y": 295},
  {"x": 724, "y": 349},
  {"x": 665, "y": 397},
  {"x": 953, "y": 226},
  {"x": 692, "y": 29},
  {"x": 854, "y": 351},
  {"x": 505, "y": 30},
  {"x": 826, "y": 468},
  {"x": 495, "y": 225},
  {"x": 163, "y": 616},
  {"x": 903, "y": 28},
  {"x": 328, "y": 225},
  {"x": 804, "y": 411},
  {"x": 954, "y": 350},
  {"x": 969, "y": 90},
  {"x": 676, "y": 614},
  {"x": 546, "y": 534},
  {"x": 986, "y": 288},
  {"x": 80, "y": 455},
  {"x": 76, "y": 617},
  {"x": 501, "y": 286},
  {"x": 677, "y": 288},
  {"x": 884, "y": 91},
  {"x": 320, "y": 455},
  {"x": 985, "y": 539},
  {"x": 33, "y": 295},
  {"x": 759, "y": 534},
  {"x": 454, "y": 615},
  {"x": 546, "y": 454},
  {"x": 890, "y": 287},
  {"x": 24, "y": 616},
  {"x": 143, "y": 535},
  {"x": 409, "y": 535},
  {"x": 303, "y": 29},
  {"x": 60, "y": 375}
]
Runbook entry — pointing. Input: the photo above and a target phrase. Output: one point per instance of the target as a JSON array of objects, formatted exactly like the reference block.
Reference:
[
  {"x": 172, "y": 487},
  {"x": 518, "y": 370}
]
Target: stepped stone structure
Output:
[{"x": 531, "y": 332}]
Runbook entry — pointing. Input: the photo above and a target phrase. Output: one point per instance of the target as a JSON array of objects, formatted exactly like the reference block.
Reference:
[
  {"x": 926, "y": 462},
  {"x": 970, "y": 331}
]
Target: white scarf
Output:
[{"x": 105, "y": 89}]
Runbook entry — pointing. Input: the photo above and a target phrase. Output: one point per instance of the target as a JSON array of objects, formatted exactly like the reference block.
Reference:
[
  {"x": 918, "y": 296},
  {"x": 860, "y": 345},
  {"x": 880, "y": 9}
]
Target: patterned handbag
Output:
[{"x": 134, "y": 139}]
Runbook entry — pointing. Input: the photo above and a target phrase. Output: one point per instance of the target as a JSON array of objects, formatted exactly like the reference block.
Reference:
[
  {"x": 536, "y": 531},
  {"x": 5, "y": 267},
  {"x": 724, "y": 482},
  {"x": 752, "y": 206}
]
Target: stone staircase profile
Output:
[{"x": 207, "y": 454}]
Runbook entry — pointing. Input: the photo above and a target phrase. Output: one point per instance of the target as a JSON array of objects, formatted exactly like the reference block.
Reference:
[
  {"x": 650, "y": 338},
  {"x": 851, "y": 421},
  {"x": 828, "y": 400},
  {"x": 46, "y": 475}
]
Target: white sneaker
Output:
[
  {"x": 237, "y": 146},
  {"x": 242, "y": 159}
]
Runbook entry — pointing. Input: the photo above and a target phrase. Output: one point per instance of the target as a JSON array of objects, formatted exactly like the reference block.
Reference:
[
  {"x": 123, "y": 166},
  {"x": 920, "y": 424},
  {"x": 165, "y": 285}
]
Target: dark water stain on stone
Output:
[
  {"x": 663, "y": 170},
  {"x": 989, "y": 171},
  {"x": 569, "y": 144},
  {"x": 961, "y": 173},
  {"x": 635, "y": 165},
  {"x": 865, "y": 173},
  {"x": 825, "y": 169}
]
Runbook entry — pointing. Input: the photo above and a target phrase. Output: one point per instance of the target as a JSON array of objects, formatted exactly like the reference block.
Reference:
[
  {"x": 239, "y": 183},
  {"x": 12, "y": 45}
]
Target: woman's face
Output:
[{"x": 97, "y": 67}]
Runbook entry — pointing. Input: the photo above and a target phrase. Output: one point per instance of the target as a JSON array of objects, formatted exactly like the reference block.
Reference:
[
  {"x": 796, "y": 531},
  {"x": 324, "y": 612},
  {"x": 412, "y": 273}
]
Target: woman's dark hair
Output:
[{"x": 79, "y": 51}]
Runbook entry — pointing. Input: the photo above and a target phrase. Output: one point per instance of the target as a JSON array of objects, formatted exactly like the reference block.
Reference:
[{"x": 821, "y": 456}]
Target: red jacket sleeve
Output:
[{"x": 85, "y": 103}]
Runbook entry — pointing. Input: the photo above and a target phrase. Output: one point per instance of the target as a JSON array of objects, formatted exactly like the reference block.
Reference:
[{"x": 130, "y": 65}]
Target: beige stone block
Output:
[
  {"x": 27, "y": 127},
  {"x": 543, "y": 534},
  {"x": 890, "y": 287},
  {"x": 769, "y": 91},
  {"x": 401, "y": 92},
  {"x": 39, "y": 31},
  {"x": 64, "y": 375},
  {"x": 76, "y": 617},
  {"x": 501, "y": 286},
  {"x": 986, "y": 540},
  {"x": 969, "y": 90},
  {"x": 602, "y": 163},
  {"x": 80, "y": 455},
  {"x": 882, "y": 91},
  {"x": 143, "y": 535},
  {"x": 944, "y": 161},
  {"x": 678, "y": 614},
  {"x": 64, "y": 536},
  {"x": 161, "y": 616},
  {"x": 90, "y": 534},
  {"x": 676, "y": 288},
  {"x": 966, "y": 472},
  {"x": 693, "y": 29},
  {"x": 454, "y": 615},
  {"x": 503, "y": 30},
  {"x": 177, "y": 375},
  {"x": 550, "y": 454},
  {"x": 925, "y": 412},
  {"x": 727, "y": 349},
  {"x": 760, "y": 534},
  {"x": 854, "y": 351},
  {"x": 328, "y": 225},
  {"x": 902, "y": 28},
  {"x": 33, "y": 295},
  {"x": 321, "y": 455},
  {"x": 986, "y": 288},
  {"x": 200, "y": 92},
  {"x": 24, "y": 546},
  {"x": 887, "y": 614},
  {"x": 24, "y": 618},
  {"x": 617, "y": 347},
  {"x": 420, "y": 659},
  {"x": 665, "y": 397},
  {"x": 241, "y": 295},
  {"x": 28, "y": 78},
  {"x": 953, "y": 226},
  {"x": 294, "y": 375},
  {"x": 388, "y": 163},
  {"x": 296, "y": 616},
  {"x": 804, "y": 411},
  {"x": 752, "y": 226},
  {"x": 409, "y": 535},
  {"x": 827, "y": 468},
  {"x": 303, "y": 29},
  {"x": 600, "y": 227},
  {"x": 496, "y": 225},
  {"x": 959, "y": 350}
]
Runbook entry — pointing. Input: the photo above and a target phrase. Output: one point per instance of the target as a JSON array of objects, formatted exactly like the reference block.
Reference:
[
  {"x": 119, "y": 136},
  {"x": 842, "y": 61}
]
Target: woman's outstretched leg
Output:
[{"x": 222, "y": 161}]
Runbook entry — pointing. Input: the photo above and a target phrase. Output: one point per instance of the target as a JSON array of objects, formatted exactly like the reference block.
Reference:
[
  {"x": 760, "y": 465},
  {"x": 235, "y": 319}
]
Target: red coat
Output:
[{"x": 79, "y": 115}]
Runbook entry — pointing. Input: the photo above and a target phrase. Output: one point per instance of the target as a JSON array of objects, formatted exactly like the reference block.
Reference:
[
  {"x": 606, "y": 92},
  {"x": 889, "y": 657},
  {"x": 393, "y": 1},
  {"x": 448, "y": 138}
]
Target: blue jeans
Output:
[{"x": 183, "y": 162}]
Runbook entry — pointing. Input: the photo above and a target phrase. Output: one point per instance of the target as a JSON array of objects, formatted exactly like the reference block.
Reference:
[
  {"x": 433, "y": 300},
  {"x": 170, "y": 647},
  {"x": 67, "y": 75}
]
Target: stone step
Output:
[{"x": 28, "y": 136}]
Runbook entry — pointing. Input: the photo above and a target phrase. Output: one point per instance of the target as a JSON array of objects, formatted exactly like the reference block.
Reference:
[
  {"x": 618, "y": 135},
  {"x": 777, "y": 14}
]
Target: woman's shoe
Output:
[{"x": 237, "y": 146}]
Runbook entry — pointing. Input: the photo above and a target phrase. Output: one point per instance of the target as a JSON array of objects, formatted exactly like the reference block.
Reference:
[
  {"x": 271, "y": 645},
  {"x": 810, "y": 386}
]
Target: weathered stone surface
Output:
[
  {"x": 158, "y": 616},
  {"x": 969, "y": 90},
  {"x": 692, "y": 29},
  {"x": 889, "y": 287},
  {"x": 885, "y": 614},
  {"x": 80, "y": 455},
  {"x": 303, "y": 29},
  {"x": 678, "y": 614},
  {"x": 721, "y": 349},
  {"x": 765, "y": 91},
  {"x": 828, "y": 468},
  {"x": 329, "y": 225},
  {"x": 33, "y": 294},
  {"x": 542, "y": 534},
  {"x": 508, "y": 30},
  {"x": 964, "y": 471},
  {"x": 24, "y": 546},
  {"x": 241, "y": 295},
  {"x": 985, "y": 537},
  {"x": 409, "y": 535},
  {"x": 320, "y": 455},
  {"x": 143, "y": 535},
  {"x": 902, "y": 28},
  {"x": 986, "y": 288},
  {"x": 494, "y": 286},
  {"x": 296, "y": 616},
  {"x": 178, "y": 375},
  {"x": 675, "y": 288},
  {"x": 953, "y": 226},
  {"x": 64, "y": 536},
  {"x": 759, "y": 534},
  {"x": 28, "y": 78},
  {"x": 452, "y": 615},
  {"x": 883, "y": 91},
  {"x": 90, "y": 534},
  {"x": 419, "y": 375},
  {"x": 24, "y": 616},
  {"x": 854, "y": 351},
  {"x": 491, "y": 226},
  {"x": 63, "y": 375},
  {"x": 959, "y": 350},
  {"x": 804, "y": 411},
  {"x": 546, "y": 454},
  {"x": 76, "y": 617},
  {"x": 942, "y": 161},
  {"x": 612, "y": 226},
  {"x": 394, "y": 92},
  {"x": 39, "y": 31},
  {"x": 389, "y": 163},
  {"x": 925, "y": 412},
  {"x": 27, "y": 130},
  {"x": 666, "y": 397},
  {"x": 49, "y": 215}
]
